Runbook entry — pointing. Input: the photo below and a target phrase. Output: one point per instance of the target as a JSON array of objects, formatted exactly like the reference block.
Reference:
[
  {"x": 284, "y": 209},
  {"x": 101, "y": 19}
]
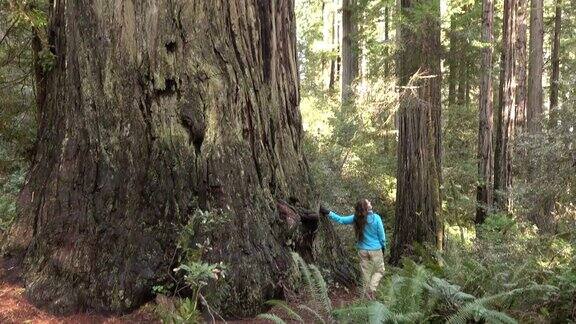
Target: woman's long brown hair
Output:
[{"x": 360, "y": 218}]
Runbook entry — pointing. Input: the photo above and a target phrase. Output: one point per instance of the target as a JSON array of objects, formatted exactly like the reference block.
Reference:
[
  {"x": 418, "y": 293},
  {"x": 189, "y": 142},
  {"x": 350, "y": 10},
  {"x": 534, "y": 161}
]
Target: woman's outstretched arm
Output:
[{"x": 346, "y": 220}]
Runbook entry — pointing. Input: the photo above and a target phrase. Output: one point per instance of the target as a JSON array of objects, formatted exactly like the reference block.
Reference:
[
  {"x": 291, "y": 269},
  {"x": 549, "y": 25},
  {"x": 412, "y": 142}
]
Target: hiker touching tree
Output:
[{"x": 370, "y": 241}]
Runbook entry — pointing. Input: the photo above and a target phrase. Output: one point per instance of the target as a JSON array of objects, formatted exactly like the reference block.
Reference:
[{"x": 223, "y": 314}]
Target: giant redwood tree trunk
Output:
[
  {"x": 156, "y": 109},
  {"x": 417, "y": 194}
]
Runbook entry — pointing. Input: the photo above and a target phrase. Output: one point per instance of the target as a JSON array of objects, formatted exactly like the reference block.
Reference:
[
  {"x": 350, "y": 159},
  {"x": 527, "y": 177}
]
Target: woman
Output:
[{"x": 370, "y": 241}]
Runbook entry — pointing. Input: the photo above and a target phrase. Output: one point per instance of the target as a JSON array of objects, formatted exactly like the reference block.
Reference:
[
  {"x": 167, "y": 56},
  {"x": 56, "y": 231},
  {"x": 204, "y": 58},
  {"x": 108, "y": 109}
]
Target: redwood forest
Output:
[{"x": 287, "y": 161}]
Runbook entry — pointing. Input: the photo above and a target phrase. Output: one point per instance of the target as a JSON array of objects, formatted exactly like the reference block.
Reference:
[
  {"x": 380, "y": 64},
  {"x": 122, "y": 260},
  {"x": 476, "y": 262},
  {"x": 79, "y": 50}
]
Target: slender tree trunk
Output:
[
  {"x": 555, "y": 77},
  {"x": 386, "y": 40},
  {"x": 534, "y": 113},
  {"x": 484, "y": 193},
  {"x": 417, "y": 195},
  {"x": 467, "y": 93},
  {"x": 350, "y": 49},
  {"x": 327, "y": 38},
  {"x": 335, "y": 47},
  {"x": 338, "y": 42},
  {"x": 452, "y": 61},
  {"x": 521, "y": 64},
  {"x": 184, "y": 106},
  {"x": 461, "y": 98},
  {"x": 328, "y": 25},
  {"x": 506, "y": 110}
]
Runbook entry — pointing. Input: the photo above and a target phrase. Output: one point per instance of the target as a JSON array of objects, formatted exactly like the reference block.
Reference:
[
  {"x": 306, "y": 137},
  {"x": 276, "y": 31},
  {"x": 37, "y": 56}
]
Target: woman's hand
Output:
[{"x": 323, "y": 210}]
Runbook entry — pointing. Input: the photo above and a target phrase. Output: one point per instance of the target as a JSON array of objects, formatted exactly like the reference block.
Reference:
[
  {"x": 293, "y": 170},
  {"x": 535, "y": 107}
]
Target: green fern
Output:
[
  {"x": 315, "y": 289},
  {"x": 476, "y": 311},
  {"x": 479, "y": 309},
  {"x": 379, "y": 313},
  {"x": 415, "y": 295},
  {"x": 272, "y": 318},
  {"x": 320, "y": 289},
  {"x": 354, "y": 314},
  {"x": 303, "y": 272},
  {"x": 313, "y": 312},
  {"x": 282, "y": 304},
  {"x": 406, "y": 292}
]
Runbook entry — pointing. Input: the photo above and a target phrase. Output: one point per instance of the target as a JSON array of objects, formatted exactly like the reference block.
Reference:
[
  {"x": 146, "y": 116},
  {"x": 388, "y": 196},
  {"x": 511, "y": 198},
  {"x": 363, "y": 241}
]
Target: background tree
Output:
[
  {"x": 521, "y": 64},
  {"x": 330, "y": 42},
  {"x": 485, "y": 194},
  {"x": 536, "y": 67},
  {"x": 555, "y": 75},
  {"x": 350, "y": 49},
  {"x": 506, "y": 108},
  {"x": 417, "y": 197},
  {"x": 183, "y": 107}
]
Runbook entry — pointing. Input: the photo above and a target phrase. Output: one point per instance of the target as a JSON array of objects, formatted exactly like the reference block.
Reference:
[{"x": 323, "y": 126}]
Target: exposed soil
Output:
[{"x": 14, "y": 308}]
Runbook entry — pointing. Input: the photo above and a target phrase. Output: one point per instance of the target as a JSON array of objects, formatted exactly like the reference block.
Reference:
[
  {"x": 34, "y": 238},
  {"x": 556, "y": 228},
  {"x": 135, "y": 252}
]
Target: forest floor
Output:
[{"x": 14, "y": 308}]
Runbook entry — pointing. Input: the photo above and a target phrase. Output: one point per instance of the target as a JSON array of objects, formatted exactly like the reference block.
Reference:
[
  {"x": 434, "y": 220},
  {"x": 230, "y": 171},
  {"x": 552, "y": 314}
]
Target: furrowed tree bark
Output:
[
  {"x": 535, "y": 110},
  {"x": 521, "y": 63},
  {"x": 153, "y": 111},
  {"x": 418, "y": 195},
  {"x": 484, "y": 193},
  {"x": 350, "y": 49},
  {"x": 39, "y": 75},
  {"x": 506, "y": 110},
  {"x": 540, "y": 213},
  {"x": 555, "y": 76}
]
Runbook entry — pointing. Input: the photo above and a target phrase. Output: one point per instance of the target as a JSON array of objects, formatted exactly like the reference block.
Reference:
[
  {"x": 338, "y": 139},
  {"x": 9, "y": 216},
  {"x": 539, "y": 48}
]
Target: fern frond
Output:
[
  {"x": 413, "y": 317},
  {"x": 289, "y": 311},
  {"x": 303, "y": 270},
  {"x": 448, "y": 294},
  {"x": 357, "y": 314},
  {"x": 476, "y": 311},
  {"x": 407, "y": 293},
  {"x": 508, "y": 295},
  {"x": 272, "y": 318},
  {"x": 320, "y": 289},
  {"x": 379, "y": 313},
  {"x": 313, "y": 312},
  {"x": 492, "y": 316}
]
